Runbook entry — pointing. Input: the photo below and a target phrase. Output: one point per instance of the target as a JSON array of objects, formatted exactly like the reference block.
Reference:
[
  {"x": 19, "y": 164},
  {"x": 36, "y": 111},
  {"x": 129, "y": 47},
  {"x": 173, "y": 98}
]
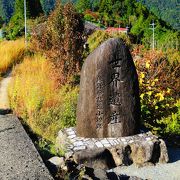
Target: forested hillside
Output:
[
  {"x": 167, "y": 10},
  {"x": 133, "y": 14},
  {"x": 7, "y": 7},
  {"x": 116, "y": 13}
]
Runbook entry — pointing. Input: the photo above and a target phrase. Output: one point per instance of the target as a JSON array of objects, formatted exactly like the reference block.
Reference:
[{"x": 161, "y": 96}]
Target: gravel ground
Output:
[
  {"x": 19, "y": 159},
  {"x": 169, "y": 171}
]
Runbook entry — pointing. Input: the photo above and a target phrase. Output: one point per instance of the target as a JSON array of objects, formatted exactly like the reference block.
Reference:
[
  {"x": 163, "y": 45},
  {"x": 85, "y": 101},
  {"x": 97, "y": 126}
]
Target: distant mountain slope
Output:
[{"x": 167, "y": 10}]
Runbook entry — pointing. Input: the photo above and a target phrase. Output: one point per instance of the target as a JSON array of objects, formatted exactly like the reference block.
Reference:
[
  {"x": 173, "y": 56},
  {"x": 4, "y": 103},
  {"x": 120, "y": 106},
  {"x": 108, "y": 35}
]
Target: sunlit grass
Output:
[
  {"x": 11, "y": 52},
  {"x": 36, "y": 98},
  {"x": 33, "y": 84}
]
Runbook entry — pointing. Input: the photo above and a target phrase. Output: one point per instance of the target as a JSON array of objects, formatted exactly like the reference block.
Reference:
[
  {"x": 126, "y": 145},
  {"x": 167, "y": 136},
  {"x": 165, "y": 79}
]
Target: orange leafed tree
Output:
[{"x": 60, "y": 39}]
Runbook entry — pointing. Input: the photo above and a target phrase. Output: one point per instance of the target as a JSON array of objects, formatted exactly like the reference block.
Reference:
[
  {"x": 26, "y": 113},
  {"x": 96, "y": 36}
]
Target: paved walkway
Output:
[
  {"x": 4, "y": 103},
  {"x": 19, "y": 159}
]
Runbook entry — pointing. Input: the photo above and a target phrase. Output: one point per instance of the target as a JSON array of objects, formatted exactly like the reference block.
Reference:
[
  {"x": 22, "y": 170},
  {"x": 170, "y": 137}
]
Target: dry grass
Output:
[
  {"x": 11, "y": 52},
  {"x": 35, "y": 97},
  {"x": 33, "y": 85},
  {"x": 32, "y": 88}
]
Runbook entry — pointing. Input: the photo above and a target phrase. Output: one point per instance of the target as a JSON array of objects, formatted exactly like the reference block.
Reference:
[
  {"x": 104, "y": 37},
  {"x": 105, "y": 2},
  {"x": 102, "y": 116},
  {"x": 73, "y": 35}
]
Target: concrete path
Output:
[
  {"x": 19, "y": 159},
  {"x": 4, "y": 103}
]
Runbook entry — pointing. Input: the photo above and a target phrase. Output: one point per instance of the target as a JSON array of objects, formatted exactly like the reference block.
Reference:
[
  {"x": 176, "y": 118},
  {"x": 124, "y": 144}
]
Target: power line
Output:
[{"x": 25, "y": 23}]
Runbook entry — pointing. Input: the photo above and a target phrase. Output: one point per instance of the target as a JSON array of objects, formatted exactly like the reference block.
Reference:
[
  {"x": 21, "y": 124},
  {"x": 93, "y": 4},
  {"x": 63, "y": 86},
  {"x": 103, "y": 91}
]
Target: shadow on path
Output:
[
  {"x": 5, "y": 111},
  {"x": 174, "y": 154}
]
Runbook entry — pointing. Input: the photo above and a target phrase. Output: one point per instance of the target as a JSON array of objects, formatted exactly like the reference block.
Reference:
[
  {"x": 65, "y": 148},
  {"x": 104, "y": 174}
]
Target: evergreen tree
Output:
[
  {"x": 47, "y": 5},
  {"x": 95, "y": 5},
  {"x": 6, "y": 9},
  {"x": 16, "y": 25},
  {"x": 106, "y": 6},
  {"x": 35, "y": 8},
  {"x": 167, "y": 10},
  {"x": 83, "y": 5},
  {"x": 106, "y": 12}
]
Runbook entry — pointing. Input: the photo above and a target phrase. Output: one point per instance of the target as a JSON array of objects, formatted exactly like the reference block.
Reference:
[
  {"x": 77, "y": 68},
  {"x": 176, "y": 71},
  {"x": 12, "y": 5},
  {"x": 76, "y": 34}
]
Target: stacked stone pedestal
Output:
[{"x": 106, "y": 153}]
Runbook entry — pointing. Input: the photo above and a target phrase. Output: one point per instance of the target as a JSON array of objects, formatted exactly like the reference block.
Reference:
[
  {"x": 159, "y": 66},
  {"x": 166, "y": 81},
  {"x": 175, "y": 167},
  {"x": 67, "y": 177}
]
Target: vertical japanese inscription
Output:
[
  {"x": 99, "y": 102},
  {"x": 115, "y": 98}
]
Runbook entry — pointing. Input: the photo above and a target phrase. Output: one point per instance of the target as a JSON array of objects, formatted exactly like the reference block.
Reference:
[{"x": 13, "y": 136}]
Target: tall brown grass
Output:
[
  {"x": 36, "y": 98},
  {"x": 11, "y": 52}
]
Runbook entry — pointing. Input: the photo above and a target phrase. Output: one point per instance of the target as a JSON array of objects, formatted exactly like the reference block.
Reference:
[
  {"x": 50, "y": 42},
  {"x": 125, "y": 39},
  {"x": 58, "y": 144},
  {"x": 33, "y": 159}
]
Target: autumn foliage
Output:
[
  {"x": 159, "y": 90},
  {"x": 60, "y": 40},
  {"x": 35, "y": 98}
]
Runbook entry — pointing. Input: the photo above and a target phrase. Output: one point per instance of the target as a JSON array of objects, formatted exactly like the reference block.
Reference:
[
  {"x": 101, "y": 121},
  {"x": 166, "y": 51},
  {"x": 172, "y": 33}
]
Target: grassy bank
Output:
[
  {"x": 35, "y": 97},
  {"x": 11, "y": 52}
]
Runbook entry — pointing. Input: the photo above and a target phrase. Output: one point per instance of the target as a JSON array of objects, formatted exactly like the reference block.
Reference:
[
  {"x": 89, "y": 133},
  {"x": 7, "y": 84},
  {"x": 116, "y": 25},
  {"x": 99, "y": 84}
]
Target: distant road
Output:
[{"x": 4, "y": 102}]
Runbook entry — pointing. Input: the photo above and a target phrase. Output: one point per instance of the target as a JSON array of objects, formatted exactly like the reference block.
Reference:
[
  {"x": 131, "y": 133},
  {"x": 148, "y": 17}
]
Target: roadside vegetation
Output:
[
  {"x": 35, "y": 97},
  {"x": 99, "y": 36},
  {"x": 159, "y": 90},
  {"x": 44, "y": 95},
  {"x": 11, "y": 53}
]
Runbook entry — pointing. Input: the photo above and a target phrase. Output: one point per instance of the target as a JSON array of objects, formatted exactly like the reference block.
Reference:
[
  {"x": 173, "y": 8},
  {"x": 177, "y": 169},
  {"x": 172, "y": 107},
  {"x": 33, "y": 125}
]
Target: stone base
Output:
[{"x": 106, "y": 153}]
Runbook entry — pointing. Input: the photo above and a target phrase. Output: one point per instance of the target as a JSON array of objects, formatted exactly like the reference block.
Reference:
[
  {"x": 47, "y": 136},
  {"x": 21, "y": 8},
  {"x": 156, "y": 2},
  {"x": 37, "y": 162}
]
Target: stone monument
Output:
[{"x": 109, "y": 104}]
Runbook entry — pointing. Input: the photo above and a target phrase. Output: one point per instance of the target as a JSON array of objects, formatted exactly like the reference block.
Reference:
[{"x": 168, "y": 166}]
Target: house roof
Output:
[{"x": 116, "y": 29}]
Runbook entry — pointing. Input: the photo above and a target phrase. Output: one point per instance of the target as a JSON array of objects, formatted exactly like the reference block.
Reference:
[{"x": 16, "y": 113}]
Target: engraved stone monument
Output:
[{"x": 108, "y": 104}]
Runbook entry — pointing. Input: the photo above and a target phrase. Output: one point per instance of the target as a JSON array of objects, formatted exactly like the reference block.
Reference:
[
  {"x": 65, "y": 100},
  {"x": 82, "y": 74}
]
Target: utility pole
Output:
[
  {"x": 153, "y": 28},
  {"x": 25, "y": 23},
  {"x": 127, "y": 27}
]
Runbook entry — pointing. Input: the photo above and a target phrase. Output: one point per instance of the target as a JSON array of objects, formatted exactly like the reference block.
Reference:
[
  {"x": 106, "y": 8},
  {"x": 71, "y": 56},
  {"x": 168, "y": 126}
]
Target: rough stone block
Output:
[{"x": 108, "y": 104}]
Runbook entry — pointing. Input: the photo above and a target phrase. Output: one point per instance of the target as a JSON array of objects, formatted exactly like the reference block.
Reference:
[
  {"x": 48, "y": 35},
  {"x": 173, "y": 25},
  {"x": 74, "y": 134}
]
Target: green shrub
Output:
[
  {"x": 171, "y": 123},
  {"x": 88, "y": 17},
  {"x": 15, "y": 27},
  {"x": 159, "y": 89},
  {"x": 60, "y": 116},
  {"x": 100, "y": 36}
]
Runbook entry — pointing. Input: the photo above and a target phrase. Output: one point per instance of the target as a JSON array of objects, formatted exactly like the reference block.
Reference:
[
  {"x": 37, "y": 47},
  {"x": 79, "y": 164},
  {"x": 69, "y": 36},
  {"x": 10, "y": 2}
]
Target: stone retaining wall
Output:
[{"x": 140, "y": 149}]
